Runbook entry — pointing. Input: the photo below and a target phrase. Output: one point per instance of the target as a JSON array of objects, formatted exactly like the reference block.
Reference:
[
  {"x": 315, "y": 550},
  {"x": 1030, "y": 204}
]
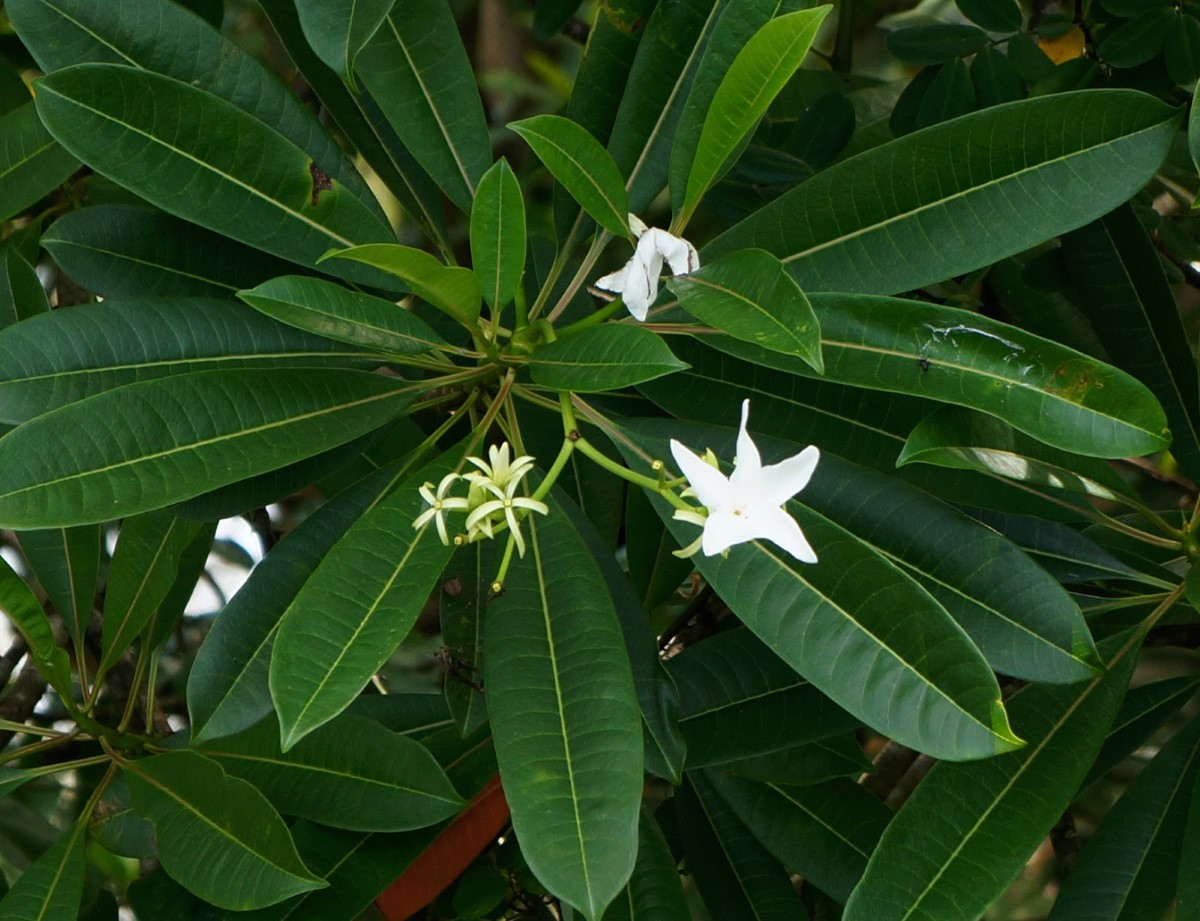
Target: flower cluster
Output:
[
  {"x": 491, "y": 499},
  {"x": 637, "y": 280}
]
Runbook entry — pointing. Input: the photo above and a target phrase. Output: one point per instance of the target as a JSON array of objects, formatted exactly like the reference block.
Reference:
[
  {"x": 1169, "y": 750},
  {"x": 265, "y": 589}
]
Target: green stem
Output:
[
  {"x": 654, "y": 485},
  {"x": 560, "y": 263},
  {"x": 139, "y": 673},
  {"x": 37, "y": 747},
  {"x": 584, "y": 270},
  {"x": 522, "y": 310},
  {"x": 843, "y": 46},
  {"x": 556, "y": 469},
  {"x": 25, "y": 729},
  {"x": 497, "y": 585},
  {"x": 608, "y": 310}
]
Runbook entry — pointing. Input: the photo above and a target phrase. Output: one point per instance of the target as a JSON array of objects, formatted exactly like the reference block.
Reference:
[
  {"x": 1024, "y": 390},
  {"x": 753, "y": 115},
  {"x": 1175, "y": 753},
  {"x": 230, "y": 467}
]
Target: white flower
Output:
[
  {"x": 494, "y": 494},
  {"x": 637, "y": 280},
  {"x": 439, "y": 504},
  {"x": 749, "y": 503}
]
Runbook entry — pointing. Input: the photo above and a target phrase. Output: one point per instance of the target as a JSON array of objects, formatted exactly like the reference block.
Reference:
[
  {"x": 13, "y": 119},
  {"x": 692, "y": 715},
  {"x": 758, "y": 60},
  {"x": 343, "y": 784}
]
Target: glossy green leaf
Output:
[
  {"x": 163, "y": 37},
  {"x": 417, "y": 70},
  {"x": 338, "y": 31},
  {"x": 581, "y": 166},
  {"x": 355, "y": 608},
  {"x": 1187, "y": 906},
  {"x": 826, "y": 833},
  {"x": 216, "y": 427},
  {"x": 605, "y": 357},
  {"x": 217, "y": 835},
  {"x": 335, "y": 312},
  {"x": 52, "y": 886},
  {"x": 32, "y": 162},
  {"x": 348, "y": 774},
  {"x": 995, "y": 79},
  {"x": 193, "y": 560},
  {"x": 228, "y": 685},
  {"x": 753, "y": 80},
  {"x": 498, "y": 235},
  {"x": 1125, "y": 296},
  {"x": 968, "y": 829},
  {"x": 1137, "y": 40},
  {"x": 750, "y": 296},
  {"x": 949, "y": 94},
  {"x": 654, "y": 890},
  {"x": 21, "y": 293},
  {"x": 565, "y": 718},
  {"x": 1129, "y": 866},
  {"x": 1182, "y": 49},
  {"x": 993, "y": 15},
  {"x": 806, "y": 764},
  {"x": 1143, "y": 712},
  {"x": 738, "y": 699},
  {"x": 467, "y": 582},
  {"x": 735, "y": 874},
  {"x": 936, "y": 43},
  {"x": 117, "y": 828},
  {"x": 130, "y": 251},
  {"x": 202, "y": 158},
  {"x": 143, "y": 569},
  {"x": 812, "y": 617},
  {"x": 1023, "y": 172},
  {"x": 449, "y": 288},
  {"x": 654, "y": 571},
  {"x": 66, "y": 562},
  {"x": 18, "y": 604}
]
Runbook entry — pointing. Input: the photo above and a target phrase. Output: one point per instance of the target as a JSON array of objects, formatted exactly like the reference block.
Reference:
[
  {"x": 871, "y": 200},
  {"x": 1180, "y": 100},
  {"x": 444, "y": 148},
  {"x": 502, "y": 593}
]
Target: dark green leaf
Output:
[
  {"x": 32, "y": 163},
  {"x": 193, "y": 559},
  {"x": 338, "y": 30},
  {"x": 51, "y": 888},
  {"x": 454, "y": 290},
  {"x": 67, "y": 563},
  {"x": 605, "y": 357},
  {"x": 498, "y": 235},
  {"x": 936, "y": 43},
  {"x": 21, "y": 293},
  {"x": 1187, "y": 908},
  {"x": 993, "y": 15},
  {"x": 1138, "y": 40},
  {"x": 464, "y": 593},
  {"x": 1183, "y": 49},
  {"x": 653, "y": 891},
  {"x": 1143, "y": 712},
  {"x": 995, "y": 80},
  {"x": 806, "y": 764},
  {"x": 949, "y": 94},
  {"x": 18, "y": 604}
]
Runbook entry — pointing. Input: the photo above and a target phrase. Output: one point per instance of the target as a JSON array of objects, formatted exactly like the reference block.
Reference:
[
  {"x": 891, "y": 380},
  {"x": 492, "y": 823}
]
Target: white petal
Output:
[
  {"x": 681, "y": 256},
  {"x": 724, "y": 529},
  {"x": 748, "y": 463},
  {"x": 614, "y": 281},
  {"x": 780, "y": 528},
  {"x": 712, "y": 489},
  {"x": 641, "y": 285},
  {"x": 779, "y": 482},
  {"x": 637, "y": 225}
]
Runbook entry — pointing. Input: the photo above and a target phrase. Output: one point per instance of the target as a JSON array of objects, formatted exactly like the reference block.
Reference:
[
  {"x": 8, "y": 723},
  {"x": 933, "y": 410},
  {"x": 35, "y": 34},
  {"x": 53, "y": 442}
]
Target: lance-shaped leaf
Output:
[
  {"x": 1187, "y": 908},
  {"x": 212, "y": 428},
  {"x": 958, "y": 438},
  {"x": 757, "y": 74},
  {"x": 826, "y": 833},
  {"x": 417, "y": 70},
  {"x": 131, "y": 251},
  {"x": 67, "y": 563},
  {"x": 143, "y": 569},
  {"x": 653, "y": 891},
  {"x": 1129, "y": 866},
  {"x": 498, "y": 234},
  {"x": 355, "y": 608},
  {"x": 202, "y": 158},
  {"x": 605, "y": 357},
  {"x": 53, "y": 885},
  {"x": 581, "y": 166},
  {"x": 330, "y": 310},
  {"x": 228, "y": 685},
  {"x": 18, "y": 604},
  {"x": 32, "y": 162},
  {"x": 464, "y": 599},
  {"x": 337, "y": 31},
  {"x": 1143, "y": 712},
  {"x": 217, "y": 835},
  {"x": 750, "y": 296},
  {"x": 565, "y": 718},
  {"x": 968, "y": 829},
  {"x": 21, "y": 293},
  {"x": 818, "y": 619},
  {"x": 453, "y": 290},
  {"x": 1062, "y": 397},
  {"x": 973, "y": 190},
  {"x": 806, "y": 764},
  {"x": 193, "y": 560},
  {"x": 348, "y": 774}
]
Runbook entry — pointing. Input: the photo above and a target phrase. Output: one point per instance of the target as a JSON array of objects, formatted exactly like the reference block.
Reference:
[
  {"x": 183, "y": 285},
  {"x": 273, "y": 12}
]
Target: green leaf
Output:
[
  {"x": 735, "y": 874},
  {"x": 851, "y": 227},
  {"x": 21, "y": 293},
  {"x": 993, "y": 15},
  {"x": 464, "y": 598},
  {"x": 753, "y": 80},
  {"x": 1183, "y": 49},
  {"x": 806, "y": 764},
  {"x": 1138, "y": 40},
  {"x": 129, "y": 251},
  {"x": 201, "y": 158},
  {"x": 1124, "y": 294},
  {"x": 338, "y": 30},
  {"x": 335, "y": 312},
  {"x": 995, "y": 79},
  {"x": 1129, "y": 866},
  {"x": 605, "y": 357},
  {"x": 654, "y": 890},
  {"x": 18, "y": 604},
  {"x": 193, "y": 560},
  {"x": 143, "y": 569},
  {"x": 355, "y": 608},
  {"x": 750, "y": 296},
  {"x": 936, "y": 43},
  {"x": 581, "y": 166},
  {"x": 950, "y": 94},
  {"x": 814, "y": 618},
  {"x": 32, "y": 162},
  {"x": 453, "y": 290},
  {"x": 416, "y": 69},
  {"x": 215, "y": 427},
  {"x": 217, "y": 835},
  {"x": 968, "y": 829},
  {"x": 349, "y": 774},
  {"x": 826, "y": 833},
  {"x": 498, "y": 235},
  {"x": 66, "y": 562},
  {"x": 1187, "y": 907},
  {"x": 52, "y": 886},
  {"x": 738, "y": 699},
  {"x": 228, "y": 684},
  {"x": 565, "y": 718}
]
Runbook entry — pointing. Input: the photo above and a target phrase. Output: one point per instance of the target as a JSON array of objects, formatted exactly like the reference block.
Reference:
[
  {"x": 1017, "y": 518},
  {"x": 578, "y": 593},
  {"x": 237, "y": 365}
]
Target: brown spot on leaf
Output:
[{"x": 320, "y": 182}]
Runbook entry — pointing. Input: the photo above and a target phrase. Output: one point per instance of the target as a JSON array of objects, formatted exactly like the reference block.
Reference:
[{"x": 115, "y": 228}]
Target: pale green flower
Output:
[{"x": 439, "y": 504}]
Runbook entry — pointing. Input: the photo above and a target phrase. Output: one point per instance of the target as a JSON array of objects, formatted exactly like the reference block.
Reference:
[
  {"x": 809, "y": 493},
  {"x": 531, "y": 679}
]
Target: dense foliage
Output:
[{"x": 711, "y": 458}]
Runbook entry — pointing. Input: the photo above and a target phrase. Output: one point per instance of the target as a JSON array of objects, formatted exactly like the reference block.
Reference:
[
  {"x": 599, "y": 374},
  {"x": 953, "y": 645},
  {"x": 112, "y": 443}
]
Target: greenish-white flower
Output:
[
  {"x": 440, "y": 502},
  {"x": 494, "y": 494}
]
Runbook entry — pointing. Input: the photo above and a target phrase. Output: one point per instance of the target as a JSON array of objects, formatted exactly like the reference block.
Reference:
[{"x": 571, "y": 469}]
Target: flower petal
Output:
[
  {"x": 614, "y": 281},
  {"x": 636, "y": 224},
  {"x": 780, "y": 528},
  {"x": 681, "y": 256},
  {"x": 748, "y": 463},
  {"x": 641, "y": 284},
  {"x": 779, "y": 482},
  {"x": 724, "y": 529},
  {"x": 709, "y": 484}
]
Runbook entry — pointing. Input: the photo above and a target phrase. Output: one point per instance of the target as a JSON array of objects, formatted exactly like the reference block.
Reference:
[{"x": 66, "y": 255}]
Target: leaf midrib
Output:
[
  {"x": 25, "y": 159},
  {"x": 137, "y": 595}
]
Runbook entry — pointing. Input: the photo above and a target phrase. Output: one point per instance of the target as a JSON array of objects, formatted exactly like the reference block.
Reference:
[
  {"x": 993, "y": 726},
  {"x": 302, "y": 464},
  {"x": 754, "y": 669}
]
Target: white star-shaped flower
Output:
[
  {"x": 748, "y": 504},
  {"x": 637, "y": 280},
  {"x": 439, "y": 504},
  {"x": 494, "y": 496}
]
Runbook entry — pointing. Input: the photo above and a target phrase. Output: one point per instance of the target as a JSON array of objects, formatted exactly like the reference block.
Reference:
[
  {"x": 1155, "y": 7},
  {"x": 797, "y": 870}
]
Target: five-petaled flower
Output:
[
  {"x": 748, "y": 504},
  {"x": 637, "y": 280},
  {"x": 439, "y": 504},
  {"x": 497, "y": 483}
]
